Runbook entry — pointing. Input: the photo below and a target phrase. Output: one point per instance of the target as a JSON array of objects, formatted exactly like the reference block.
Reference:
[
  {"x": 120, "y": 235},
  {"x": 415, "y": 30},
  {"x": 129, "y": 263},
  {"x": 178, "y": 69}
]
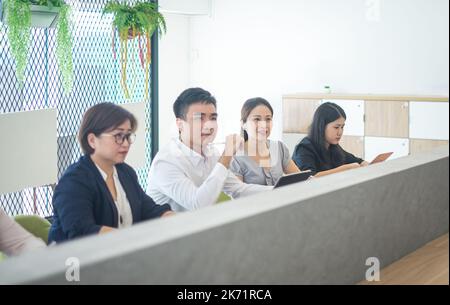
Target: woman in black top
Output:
[{"x": 320, "y": 151}]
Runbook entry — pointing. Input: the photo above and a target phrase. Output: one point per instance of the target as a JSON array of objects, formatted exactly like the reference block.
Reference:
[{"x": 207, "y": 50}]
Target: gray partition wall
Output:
[{"x": 316, "y": 232}]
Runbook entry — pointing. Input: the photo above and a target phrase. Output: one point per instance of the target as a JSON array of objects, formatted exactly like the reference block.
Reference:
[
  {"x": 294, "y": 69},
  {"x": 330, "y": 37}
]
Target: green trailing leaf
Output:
[
  {"x": 140, "y": 20},
  {"x": 64, "y": 49},
  {"x": 143, "y": 16},
  {"x": 18, "y": 19}
]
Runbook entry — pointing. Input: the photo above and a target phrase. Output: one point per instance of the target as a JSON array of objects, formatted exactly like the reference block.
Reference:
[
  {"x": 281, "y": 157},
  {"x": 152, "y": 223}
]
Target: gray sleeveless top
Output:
[{"x": 252, "y": 173}]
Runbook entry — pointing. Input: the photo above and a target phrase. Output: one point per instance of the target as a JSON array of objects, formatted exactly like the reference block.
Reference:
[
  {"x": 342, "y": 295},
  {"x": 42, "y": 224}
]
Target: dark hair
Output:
[
  {"x": 324, "y": 115},
  {"x": 248, "y": 107},
  {"x": 189, "y": 97},
  {"x": 100, "y": 118}
]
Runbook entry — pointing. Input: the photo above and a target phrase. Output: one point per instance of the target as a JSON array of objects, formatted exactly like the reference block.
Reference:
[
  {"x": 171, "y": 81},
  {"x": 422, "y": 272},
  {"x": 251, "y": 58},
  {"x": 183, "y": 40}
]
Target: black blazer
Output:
[
  {"x": 82, "y": 203},
  {"x": 307, "y": 157}
]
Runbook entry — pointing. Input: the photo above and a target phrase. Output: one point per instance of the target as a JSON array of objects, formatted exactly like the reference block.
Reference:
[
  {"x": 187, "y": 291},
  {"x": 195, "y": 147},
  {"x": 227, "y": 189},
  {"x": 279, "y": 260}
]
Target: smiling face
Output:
[
  {"x": 259, "y": 123},
  {"x": 106, "y": 149},
  {"x": 334, "y": 131},
  {"x": 199, "y": 128}
]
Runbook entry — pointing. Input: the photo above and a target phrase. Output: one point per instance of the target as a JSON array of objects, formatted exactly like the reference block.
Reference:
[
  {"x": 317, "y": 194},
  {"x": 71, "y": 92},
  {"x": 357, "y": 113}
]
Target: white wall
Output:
[
  {"x": 267, "y": 48},
  {"x": 189, "y": 7},
  {"x": 173, "y": 71}
]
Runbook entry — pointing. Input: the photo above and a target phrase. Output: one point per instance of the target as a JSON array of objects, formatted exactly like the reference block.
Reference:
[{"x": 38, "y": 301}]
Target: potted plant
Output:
[
  {"x": 21, "y": 15},
  {"x": 131, "y": 23}
]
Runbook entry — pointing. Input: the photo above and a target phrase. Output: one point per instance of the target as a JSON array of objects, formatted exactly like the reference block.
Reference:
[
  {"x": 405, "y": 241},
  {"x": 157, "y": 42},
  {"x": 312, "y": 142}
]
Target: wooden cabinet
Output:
[
  {"x": 429, "y": 120},
  {"x": 374, "y": 146},
  {"x": 375, "y": 123},
  {"x": 292, "y": 139},
  {"x": 387, "y": 119},
  {"x": 419, "y": 146},
  {"x": 298, "y": 114},
  {"x": 354, "y": 110},
  {"x": 354, "y": 145}
]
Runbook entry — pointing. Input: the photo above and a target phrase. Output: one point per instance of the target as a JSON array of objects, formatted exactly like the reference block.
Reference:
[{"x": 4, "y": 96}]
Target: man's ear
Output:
[
  {"x": 91, "y": 140},
  {"x": 179, "y": 123}
]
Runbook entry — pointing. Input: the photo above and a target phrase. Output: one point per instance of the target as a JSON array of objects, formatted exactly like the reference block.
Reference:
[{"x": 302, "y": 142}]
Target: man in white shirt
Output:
[
  {"x": 15, "y": 240},
  {"x": 188, "y": 174}
]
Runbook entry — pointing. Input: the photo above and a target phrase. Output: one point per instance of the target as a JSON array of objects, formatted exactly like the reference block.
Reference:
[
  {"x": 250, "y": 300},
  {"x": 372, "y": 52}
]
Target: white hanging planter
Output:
[{"x": 43, "y": 16}]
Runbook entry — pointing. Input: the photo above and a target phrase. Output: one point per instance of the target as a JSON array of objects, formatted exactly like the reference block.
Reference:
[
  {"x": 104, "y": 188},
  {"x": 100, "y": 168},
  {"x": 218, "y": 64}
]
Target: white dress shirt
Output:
[
  {"x": 188, "y": 181},
  {"x": 14, "y": 239},
  {"x": 122, "y": 203}
]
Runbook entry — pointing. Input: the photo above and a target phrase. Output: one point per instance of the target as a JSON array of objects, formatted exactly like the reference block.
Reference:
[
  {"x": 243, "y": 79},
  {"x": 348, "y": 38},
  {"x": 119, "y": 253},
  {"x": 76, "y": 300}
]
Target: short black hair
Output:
[
  {"x": 191, "y": 96},
  {"x": 100, "y": 118}
]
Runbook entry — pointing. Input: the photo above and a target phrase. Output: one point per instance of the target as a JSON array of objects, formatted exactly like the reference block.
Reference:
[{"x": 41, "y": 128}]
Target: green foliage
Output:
[
  {"x": 140, "y": 20},
  {"x": 143, "y": 17},
  {"x": 18, "y": 20},
  {"x": 64, "y": 48}
]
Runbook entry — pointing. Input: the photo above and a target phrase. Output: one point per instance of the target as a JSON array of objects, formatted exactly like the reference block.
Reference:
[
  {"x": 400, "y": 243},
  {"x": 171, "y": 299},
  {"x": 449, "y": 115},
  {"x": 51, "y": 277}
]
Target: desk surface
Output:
[{"x": 426, "y": 266}]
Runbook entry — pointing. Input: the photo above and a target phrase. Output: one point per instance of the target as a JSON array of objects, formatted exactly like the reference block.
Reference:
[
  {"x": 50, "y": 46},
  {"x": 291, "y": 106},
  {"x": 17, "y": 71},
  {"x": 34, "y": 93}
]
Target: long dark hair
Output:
[
  {"x": 248, "y": 107},
  {"x": 327, "y": 113}
]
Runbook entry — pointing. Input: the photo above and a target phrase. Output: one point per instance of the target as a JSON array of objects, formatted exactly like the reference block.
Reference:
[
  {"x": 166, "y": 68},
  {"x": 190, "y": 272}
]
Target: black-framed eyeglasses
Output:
[{"x": 120, "y": 137}]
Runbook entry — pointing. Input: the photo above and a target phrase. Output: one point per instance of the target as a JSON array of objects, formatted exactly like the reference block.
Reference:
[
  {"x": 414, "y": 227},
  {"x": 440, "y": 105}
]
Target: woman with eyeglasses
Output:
[
  {"x": 263, "y": 161},
  {"x": 101, "y": 193}
]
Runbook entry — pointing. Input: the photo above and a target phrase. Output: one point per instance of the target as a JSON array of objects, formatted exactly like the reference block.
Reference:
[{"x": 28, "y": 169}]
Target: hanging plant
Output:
[
  {"x": 64, "y": 49},
  {"x": 131, "y": 23},
  {"x": 19, "y": 19}
]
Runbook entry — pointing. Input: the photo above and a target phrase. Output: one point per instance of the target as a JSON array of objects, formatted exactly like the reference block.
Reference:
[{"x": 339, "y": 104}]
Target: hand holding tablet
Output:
[
  {"x": 381, "y": 158},
  {"x": 293, "y": 178}
]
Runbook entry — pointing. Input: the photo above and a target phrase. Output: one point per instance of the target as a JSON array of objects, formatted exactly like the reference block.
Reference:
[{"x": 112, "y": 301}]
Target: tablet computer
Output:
[
  {"x": 381, "y": 158},
  {"x": 293, "y": 178}
]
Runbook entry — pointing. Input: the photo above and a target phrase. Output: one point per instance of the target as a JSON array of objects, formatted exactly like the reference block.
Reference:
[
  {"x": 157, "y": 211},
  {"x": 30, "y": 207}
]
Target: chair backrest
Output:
[
  {"x": 223, "y": 198},
  {"x": 34, "y": 224}
]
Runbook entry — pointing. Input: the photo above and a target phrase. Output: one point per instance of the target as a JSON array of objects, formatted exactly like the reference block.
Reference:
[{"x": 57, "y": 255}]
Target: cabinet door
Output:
[
  {"x": 354, "y": 145},
  {"x": 292, "y": 139},
  {"x": 354, "y": 109},
  {"x": 387, "y": 119},
  {"x": 298, "y": 114},
  {"x": 419, "y": 146},
  {"x": 375, "y": 146},
  {"x": 429, "y": 120}
]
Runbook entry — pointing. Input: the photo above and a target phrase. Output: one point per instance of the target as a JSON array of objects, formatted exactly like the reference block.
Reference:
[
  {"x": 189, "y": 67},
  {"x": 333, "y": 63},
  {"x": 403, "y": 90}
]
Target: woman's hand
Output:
[
  {"x": 105, "y": 230},
  {"x": 350, "y": 166}
]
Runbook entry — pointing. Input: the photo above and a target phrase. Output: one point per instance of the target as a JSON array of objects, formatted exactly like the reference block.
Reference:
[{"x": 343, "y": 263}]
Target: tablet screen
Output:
[{"x": 294, "y": 178}]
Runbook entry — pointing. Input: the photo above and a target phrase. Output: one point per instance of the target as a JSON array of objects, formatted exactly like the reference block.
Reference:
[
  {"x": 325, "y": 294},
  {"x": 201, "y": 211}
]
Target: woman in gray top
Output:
[{"x": 262, "y": 161}]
